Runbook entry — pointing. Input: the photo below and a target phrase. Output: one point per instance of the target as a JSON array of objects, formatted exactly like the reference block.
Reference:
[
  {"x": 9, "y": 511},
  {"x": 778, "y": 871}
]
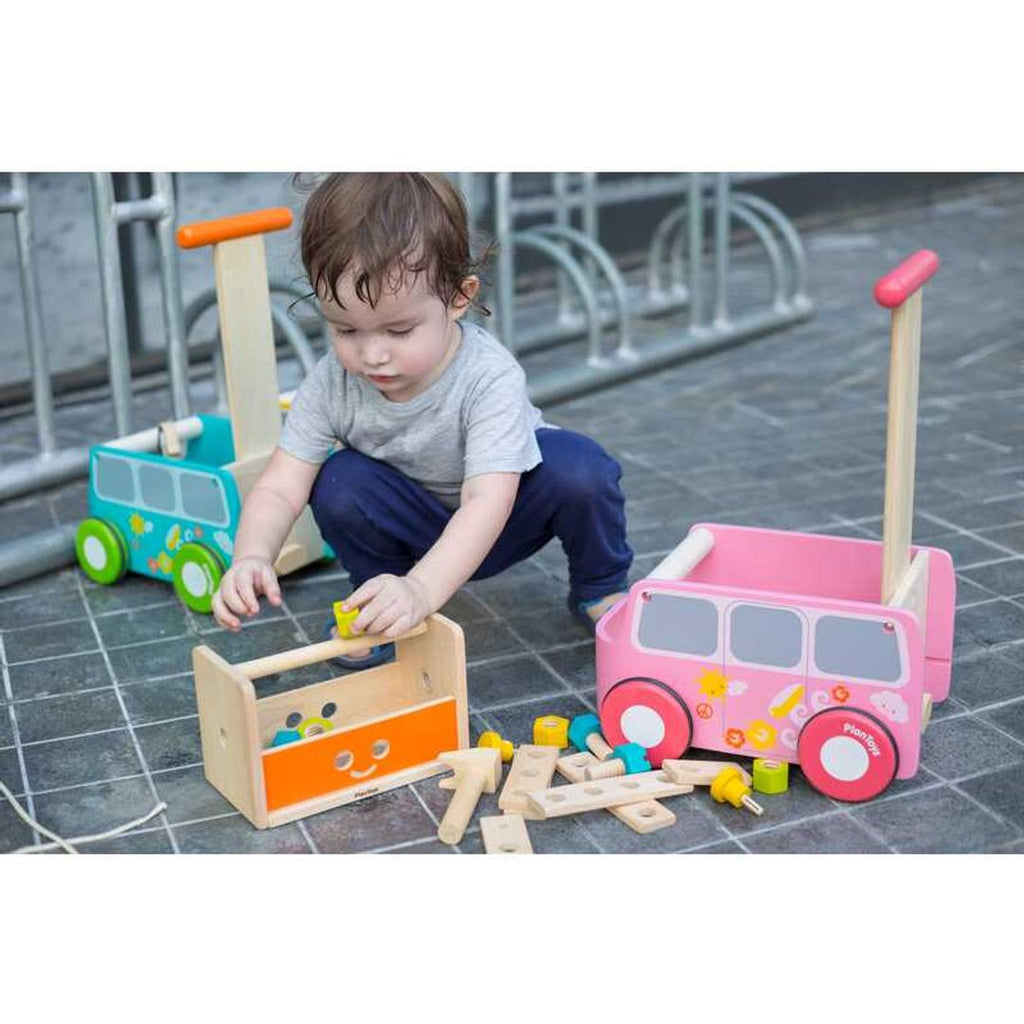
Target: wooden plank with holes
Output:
[
  {"x": 700, "y": 773},
  {"x": 645, "y": 817},
  {"x": 581, "y": 797},
  {"x": 532, "y": 769},
  {"x": 505, "y": 833}
]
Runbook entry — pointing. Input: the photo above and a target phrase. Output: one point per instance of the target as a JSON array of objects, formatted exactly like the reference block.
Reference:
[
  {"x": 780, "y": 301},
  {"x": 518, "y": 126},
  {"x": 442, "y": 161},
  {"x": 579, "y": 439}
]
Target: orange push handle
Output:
[{"x": 210, "y": 232}]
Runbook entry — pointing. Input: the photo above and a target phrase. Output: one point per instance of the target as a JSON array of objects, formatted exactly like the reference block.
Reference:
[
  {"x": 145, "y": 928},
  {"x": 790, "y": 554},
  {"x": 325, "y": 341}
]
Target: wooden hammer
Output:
[{"x": 477, "y": 770}]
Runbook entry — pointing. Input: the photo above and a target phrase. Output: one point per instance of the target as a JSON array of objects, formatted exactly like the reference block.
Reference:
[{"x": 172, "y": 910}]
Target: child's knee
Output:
[
  {"x": 581, "y": 470},
  {"x": 335, "y": 495}
]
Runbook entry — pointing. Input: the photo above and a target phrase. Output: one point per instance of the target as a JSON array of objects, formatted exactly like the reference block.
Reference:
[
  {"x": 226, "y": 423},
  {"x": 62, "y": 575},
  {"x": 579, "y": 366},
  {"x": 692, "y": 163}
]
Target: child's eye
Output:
[{"x": 399, "y": 334}]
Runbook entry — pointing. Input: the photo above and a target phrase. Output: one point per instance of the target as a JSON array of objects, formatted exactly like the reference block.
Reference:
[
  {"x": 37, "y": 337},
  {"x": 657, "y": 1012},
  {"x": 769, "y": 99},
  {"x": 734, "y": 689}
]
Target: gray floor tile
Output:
[
  {"x": 989, "y": 678},
  {"x": 575, "y": 665},
  {"x": 59, "y": 675},
  {"x": 965, "y": 746},
  {"x": 131, "y": 592},
  {"x": 138, "y": 626},
  {"x": 36, "y": 642},
  {"x": 6, "y": 727},
  {"x": 236, "y": 835},
  {"x": 58, "y": 763},
  {"x": 937, "y": 820},
  {"x": 1002, "y": 791},
  {"x": 1006, "y": 578},
  {"x": 509, "y": 679},
  {"x": 1009, "y": 718},
  {"x": 516, "y": 723},
  {"x": 160, "y": 699},
  {"x": 51, "y": 718},
  {"x": 430, "y": 846},
  {"x": 170, "y": 744},
  {"x": 35, "y": 611},
  {"x": 694, "y": 826},
  {"x": 715, "y": 848},
  {"x": 827, "y": 833},
  {"x": 153, "y": 660},
  {"x": 14, "y": 833},
  {"x": 189, "y": 797},
  {"x": 992, "y": 623},
  {"x": 382, "y": 820},
  {"x": 151, "y": 841},
  {"x": 90, "y": 810},
  {"x": 489, "y": 638},
  {"x": 549, "y": 629},
  {"x": 10, "y": 771}
]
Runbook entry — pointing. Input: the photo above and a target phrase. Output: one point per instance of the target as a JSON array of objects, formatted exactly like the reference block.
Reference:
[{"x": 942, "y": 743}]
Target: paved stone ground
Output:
[{"x": 97, "y": 713}]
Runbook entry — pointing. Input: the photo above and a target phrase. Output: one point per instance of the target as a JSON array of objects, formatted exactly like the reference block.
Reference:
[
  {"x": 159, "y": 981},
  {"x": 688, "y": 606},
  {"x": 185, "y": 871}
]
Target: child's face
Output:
[{"x": 402, "y": 345}]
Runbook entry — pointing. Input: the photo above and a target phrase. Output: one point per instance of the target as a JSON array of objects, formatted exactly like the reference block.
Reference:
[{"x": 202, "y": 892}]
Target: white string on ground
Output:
[{"x": 68, "y": 845}]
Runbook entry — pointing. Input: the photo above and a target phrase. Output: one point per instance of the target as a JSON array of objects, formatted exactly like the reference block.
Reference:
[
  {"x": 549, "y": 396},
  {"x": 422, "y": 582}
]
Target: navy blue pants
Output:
[{"x": 378, "y": 520}]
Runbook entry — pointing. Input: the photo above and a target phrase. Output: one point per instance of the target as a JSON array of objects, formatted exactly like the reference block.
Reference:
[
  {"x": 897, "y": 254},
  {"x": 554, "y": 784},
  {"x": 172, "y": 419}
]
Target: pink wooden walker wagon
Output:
[{"x": 824, "y": 651}]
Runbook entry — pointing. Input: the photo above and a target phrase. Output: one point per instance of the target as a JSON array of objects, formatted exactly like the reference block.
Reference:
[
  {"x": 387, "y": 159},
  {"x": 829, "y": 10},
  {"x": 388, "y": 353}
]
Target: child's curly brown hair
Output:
[{"x": 387, "y": 226}]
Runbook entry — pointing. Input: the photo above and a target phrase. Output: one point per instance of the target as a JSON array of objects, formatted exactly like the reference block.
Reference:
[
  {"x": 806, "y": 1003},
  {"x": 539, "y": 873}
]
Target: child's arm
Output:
[
  {"x": 393, "y": 604},
  {"x": 275, "y": 502}
]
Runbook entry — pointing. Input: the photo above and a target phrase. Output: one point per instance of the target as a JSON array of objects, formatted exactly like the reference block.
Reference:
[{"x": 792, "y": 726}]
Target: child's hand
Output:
[
  {"x": 237, "y": 592},
  {"x": 391, "y": 605}
]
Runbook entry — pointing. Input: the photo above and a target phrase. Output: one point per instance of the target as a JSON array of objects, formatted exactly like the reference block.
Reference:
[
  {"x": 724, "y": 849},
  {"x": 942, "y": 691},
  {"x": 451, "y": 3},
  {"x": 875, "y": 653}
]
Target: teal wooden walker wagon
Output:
[{"x": 165, "y": 503}]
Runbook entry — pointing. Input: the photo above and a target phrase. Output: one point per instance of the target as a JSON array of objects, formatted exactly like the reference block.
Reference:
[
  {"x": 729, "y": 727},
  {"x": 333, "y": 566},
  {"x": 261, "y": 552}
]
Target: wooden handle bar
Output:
[
  {"x": 898, "y": 285},
  {"x": 210, "y": 232},
  {"x": 287, "y": 660}
]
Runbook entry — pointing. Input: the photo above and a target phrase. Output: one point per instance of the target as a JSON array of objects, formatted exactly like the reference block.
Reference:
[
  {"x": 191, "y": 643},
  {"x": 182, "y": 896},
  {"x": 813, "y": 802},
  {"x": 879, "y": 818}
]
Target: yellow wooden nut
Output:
[
  {"x": 344, "y": 619},
  {"x": 493, "y": 739},
  {"x": 551, "y": 731}
]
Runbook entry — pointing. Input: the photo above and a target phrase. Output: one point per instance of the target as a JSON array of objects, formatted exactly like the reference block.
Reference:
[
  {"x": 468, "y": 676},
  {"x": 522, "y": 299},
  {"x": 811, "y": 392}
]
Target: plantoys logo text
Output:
[{"x": 865, "y": 737}]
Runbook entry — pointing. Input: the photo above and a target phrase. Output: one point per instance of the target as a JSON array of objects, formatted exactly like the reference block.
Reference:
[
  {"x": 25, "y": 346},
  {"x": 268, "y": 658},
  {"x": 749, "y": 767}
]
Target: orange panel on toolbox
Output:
[{"x": 352, "y": 757}]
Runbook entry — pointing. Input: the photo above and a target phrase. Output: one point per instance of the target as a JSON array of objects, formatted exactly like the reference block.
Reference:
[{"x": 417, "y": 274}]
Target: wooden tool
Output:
[
  {"x": 595, "y": 796},
  {"x": 532, "y": 769},
  {"x": 648, "y": 816},
  {"x": 700, "y": 773},
  {"x": 477, "y": 770},
  {"x": 505, "y": 833}
]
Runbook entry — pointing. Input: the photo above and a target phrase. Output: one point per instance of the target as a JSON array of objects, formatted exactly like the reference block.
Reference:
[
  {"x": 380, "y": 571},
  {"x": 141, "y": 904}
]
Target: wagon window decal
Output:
[
  {"x": 203, "y": 499},
  {"x": 686, "y": 625},
  {"x": 114, "y": 479},
  {"x": 157, "y": 487},
  {"x": 861, "y": 648},
  {"x": 766, "y": 636}
]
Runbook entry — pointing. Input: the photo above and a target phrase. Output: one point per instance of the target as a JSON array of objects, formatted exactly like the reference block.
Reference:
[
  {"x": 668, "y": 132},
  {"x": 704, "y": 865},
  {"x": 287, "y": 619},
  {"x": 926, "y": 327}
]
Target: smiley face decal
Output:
[{"x": 345, "y": 759}]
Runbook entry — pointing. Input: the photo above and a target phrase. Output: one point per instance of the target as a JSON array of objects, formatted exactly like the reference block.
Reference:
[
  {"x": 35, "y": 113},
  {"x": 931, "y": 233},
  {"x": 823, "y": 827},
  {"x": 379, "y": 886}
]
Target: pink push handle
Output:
[{"x": 898, "y": 285}]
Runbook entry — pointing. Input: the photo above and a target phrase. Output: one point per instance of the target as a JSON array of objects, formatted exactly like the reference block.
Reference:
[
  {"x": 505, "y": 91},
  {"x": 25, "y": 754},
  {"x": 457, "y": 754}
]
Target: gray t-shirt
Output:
[{"x": 475, "y": 418}]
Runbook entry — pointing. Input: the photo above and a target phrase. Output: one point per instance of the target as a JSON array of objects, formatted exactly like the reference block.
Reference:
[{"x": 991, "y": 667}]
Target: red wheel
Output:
[
  {"x": 847, "y": 754},
  {"x": 646, "y": 712}
]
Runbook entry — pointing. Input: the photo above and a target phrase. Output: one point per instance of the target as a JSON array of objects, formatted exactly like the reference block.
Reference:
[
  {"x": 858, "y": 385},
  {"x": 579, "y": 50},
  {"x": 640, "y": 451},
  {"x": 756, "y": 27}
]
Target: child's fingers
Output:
[
  {"x": 223, "y": 617},
  {"x": 229, "y": 595},
  {"x": 247, "y": 593},
  {"x": 374, "y": 616},
  {"x": 271, "y": 588},
  {"x": 362, "y": 594}
]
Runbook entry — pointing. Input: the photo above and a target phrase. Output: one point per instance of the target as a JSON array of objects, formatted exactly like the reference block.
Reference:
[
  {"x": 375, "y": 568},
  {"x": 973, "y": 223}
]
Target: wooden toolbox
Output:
[{"x": 386, "y": 728}]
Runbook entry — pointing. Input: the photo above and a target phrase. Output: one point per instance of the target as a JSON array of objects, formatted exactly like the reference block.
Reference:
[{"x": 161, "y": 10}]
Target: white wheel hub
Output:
[
  {"x": 642, "y": 725},
  {"x": 194, "y": 579},
  {"x": 844, "y": 758},
  {"x": 95, "y": 553}
]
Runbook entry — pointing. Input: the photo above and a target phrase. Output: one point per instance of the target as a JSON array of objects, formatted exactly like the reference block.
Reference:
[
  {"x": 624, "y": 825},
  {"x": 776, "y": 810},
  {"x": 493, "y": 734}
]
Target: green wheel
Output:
[
  {"x": 196, "y": 571},
  {"x": 101, "y": 550}
]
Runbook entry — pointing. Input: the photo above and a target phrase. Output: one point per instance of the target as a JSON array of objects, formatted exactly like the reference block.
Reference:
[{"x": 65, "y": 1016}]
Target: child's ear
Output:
[{"x": 464, "y": 297}]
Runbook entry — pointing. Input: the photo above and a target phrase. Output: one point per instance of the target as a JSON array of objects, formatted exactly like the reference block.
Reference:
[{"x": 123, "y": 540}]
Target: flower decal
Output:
[
  {"x": 137, "y": 524},
  {"x": 840, "y": 693},
  {"x": 788, "y": 738},
  {"x": 223, "y": 539},
  {"x": 736, "y": 687},
  {"x": 735, "y": 738},
  {"x": 761, "y": 735},
  {"x": 713, "y": 683},
  {"x": 705, "y": 710}
]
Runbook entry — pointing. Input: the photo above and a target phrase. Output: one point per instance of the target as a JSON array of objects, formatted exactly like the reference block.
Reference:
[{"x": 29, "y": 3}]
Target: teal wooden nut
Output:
[
  {"x": 633, "y": 757},
  {"x": 585, "y": 734},
  {"x": 283, "y": 736}
]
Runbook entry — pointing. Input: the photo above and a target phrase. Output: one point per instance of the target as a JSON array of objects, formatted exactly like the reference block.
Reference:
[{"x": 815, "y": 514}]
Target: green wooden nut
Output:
[{"x": 770, "y": 776}]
